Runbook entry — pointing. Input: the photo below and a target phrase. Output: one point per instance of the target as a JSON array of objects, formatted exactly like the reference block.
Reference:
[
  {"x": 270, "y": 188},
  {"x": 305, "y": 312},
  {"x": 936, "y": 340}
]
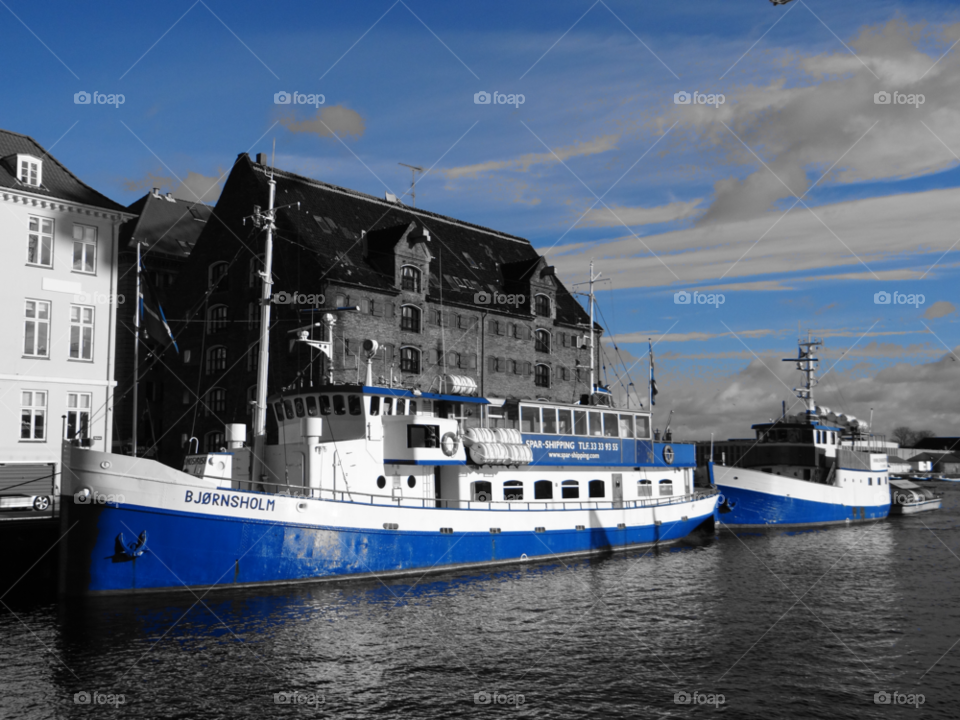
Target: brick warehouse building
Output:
[{"x": 417, "y": 278}]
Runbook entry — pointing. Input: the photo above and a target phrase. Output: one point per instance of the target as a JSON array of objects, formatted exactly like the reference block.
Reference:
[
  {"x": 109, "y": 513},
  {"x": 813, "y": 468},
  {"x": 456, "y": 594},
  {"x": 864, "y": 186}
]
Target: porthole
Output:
[
  {"x": 411, "y": 481},
  {"x": 381, "y": 482}
]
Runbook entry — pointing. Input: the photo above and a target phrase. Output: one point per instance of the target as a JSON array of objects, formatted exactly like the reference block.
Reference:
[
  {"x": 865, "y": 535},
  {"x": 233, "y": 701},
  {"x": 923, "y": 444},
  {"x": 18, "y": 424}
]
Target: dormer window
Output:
[
  {"x": 541, "y": 305},
  {"x": 30, "y": 170},
  {"x": 410, "y": 278}
]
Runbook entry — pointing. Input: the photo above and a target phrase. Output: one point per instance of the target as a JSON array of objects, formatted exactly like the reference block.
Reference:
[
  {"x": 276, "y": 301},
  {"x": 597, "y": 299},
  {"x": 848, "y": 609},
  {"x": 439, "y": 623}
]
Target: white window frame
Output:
[
  {"x": 547, "y": 374},
  {"x": 419, "y": 359},
  {"x": 40, "y": 236},
  {"x": 37, "y": 164},
  {"x": 419, "y": 318},
  {"x": 80, "y": 325},
  {"x": 35, "y": 410},
  {"x": 88, "y": 250},
  {"x": 36, "y": 321},
  {"x": 76, "y": 412},
  {"x": 417, "y": 278}
]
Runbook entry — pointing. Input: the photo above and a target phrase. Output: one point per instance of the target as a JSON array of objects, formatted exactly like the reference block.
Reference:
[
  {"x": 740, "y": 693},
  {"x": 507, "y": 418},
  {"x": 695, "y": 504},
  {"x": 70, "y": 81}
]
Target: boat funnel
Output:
[{"x": 236, "y": 435}]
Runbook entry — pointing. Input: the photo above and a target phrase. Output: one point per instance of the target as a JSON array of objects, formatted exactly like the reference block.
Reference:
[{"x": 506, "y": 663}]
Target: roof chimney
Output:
[
  {"x": 262, "y": 159},
  {"x": 170, "y": 198},
  {"x": 155, "y": 192}
]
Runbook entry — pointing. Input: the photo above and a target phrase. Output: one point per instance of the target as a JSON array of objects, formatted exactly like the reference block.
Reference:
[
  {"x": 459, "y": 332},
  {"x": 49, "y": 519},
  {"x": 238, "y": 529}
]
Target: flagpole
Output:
[
  {"x": 650, "y": 375},
  {"x": 136, "y": 352}
]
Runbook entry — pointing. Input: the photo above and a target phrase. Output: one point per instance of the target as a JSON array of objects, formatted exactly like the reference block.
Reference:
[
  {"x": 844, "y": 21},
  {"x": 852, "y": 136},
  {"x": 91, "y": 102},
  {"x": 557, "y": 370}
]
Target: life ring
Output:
[
  {"x": 449, "y": 443},
  {"x": 668, "y": 455}
]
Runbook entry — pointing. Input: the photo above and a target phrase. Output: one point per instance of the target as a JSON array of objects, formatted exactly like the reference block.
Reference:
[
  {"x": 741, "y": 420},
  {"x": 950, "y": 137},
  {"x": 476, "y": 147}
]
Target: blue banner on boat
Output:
[{"x": 606, "y": 451}]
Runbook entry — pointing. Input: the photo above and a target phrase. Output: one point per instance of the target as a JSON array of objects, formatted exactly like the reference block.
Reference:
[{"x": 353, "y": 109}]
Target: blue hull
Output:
[
  {"x": 750, "y": 508},
  {"x": 186, "y": 549}
]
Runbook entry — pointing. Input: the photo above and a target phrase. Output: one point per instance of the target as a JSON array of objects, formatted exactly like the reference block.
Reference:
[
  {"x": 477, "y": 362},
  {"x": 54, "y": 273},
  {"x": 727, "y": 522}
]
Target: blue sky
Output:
[{"x": 696, "y": 198}]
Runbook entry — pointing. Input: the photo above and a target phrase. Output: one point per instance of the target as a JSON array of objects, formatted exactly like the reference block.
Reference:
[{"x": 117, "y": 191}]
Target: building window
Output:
[
  {"x": 81, "y": 332},
  {"x": 216, "y": 360},
  {"x": 541, "y": 305},
  {"x": 40, "y": 242},
  {"x": 36, "y": 330},
  {"x": 217, "y": 276},
  {"x": 542, "y": 376},
  {"x": 33, "y": 415},
  {"x": 410, "y": 360},
  {"x": 213, "y": 441},
  {"x": 410, "y": 318},
  {"x": 216, "y": 401},
  {"x": 84, "y": 248},
  {"x": 410, "y": 278},
  {"x": 78, "y": 416},
  {"x": 216, "y": 319},
  {"x": 31, "y": 170},
  {"x": 542, "y": 341}
]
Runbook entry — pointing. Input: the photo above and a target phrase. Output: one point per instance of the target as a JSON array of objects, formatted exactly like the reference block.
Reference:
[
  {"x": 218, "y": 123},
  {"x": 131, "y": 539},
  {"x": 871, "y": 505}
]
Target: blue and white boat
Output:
[
  {"x": 815, "y": 468},
  {"x": 377, "y": 481}
]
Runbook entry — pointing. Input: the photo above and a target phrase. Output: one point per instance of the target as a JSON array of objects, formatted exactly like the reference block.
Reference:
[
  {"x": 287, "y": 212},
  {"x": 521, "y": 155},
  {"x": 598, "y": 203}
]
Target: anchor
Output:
[
  {"x": 727, "y": 505},
  {"x": 134, "y": 548}
]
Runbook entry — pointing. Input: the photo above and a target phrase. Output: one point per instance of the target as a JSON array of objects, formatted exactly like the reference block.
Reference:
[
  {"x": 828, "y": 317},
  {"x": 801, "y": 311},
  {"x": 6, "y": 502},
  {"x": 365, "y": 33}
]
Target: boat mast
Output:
[
  {"x": 136, "y": 351},
  {"x": 592, "y": 359},
  {"x": 264, "y": 220},
  {"x": 807, "y": 364}
]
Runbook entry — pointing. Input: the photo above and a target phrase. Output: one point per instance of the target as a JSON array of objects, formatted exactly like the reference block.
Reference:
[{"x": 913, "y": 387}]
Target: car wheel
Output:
[{"x": 41, "y": 502}]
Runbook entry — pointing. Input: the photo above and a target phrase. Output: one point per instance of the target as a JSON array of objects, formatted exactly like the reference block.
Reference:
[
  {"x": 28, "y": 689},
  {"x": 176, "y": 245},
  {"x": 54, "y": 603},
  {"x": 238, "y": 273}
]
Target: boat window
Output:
[
  {"x": 550, "y": 421},
  {"x": 595, "y": 429},
  {"x": 354, "y": 402},
  {"x": 513, "y": 490},
  {"x": 375, "y": 405},
  {"x": 413, "y": 407},
  {"x": 298, "y": 404},
  {"x": 666, "y": 487},
  {"x": 423, "y": 436},
  {"x": 381, "y": 482},
  {"x": 324, "y": 404},
  {"x": 644, "y": 488},
  {"x": 401, "y": 406},
  {"x": 597, "y": 489},
  {"x": 530, "y": 419},
  {"x": 278, "y": 406},
  {"x": 643, "y": 426},
  {"x": 580, "y": 422},
  {"x": 288, "y": 409},
  {"x": 869, "y": 481},
  {"x": 611, "y": 425},
  {"x": 570, "y": 489},
  {"x": 312, "y": 405},
  {"x": 411, "y": 482},
  {"x": 543, "y": 490},
  {"x": 564, "y": 422},
  {"x": 481, "y": 491},
  {"x": 338, "y": 407},
  {"x": 626, "y": 426},
  {"x": 388, "y": 406}
]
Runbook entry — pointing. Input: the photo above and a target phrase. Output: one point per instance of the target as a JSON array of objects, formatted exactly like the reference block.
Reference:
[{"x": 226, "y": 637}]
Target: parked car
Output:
[{"x": 25, "y": 502}]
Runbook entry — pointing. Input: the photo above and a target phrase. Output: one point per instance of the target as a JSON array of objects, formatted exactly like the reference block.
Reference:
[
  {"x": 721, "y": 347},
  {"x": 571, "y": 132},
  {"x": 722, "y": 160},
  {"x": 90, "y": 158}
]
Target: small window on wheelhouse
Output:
[
  {"x": 413, "y": 407},
  {"x": 580, "y": 422},
  {"x": 388, "y": 406},
  {"x": 597, "y": 489},
  {"x": 595, "y": 429},
  {"x": 611, "y": 426},
  {"x": 311, "y": 405},
  {"x": 570, "y": 489},
  {"x": 513, "y": 490},
  {"x": 666, "y": 487},
  {"x": 375, "y": 405},
  {"x": 423, "y": 436},
  {"x": 530, "y": 419},
  {"x": 550, "y": 420},
  {"x": 288, "y": 409},
  {"x": 354, "y": 402},
  {"x": 626, "y": 426},
  {"x": 643, "y": 427},
  {"x": 481, "y": 491},
  {"x": 644, "y": 488},
  {"x": 401, "y": 406},
  {"x": 338, "y": 407},
  {"x": 298, "y": 406},
  {"x": 278, "y": 407},
  {"x": 324, "y": 404},
  {"x": 565, "y": 426},
  {"x": 543, "y": 490}
]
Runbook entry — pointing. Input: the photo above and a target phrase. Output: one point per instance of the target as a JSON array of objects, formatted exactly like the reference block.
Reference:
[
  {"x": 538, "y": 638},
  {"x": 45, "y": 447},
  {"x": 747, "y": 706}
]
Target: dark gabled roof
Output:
[
  {"x": 467, "y": 258},
  {"x": 165, "y": 224},
  {"x": 935, "y": 458},
  {"x": 57, "y": 181}
]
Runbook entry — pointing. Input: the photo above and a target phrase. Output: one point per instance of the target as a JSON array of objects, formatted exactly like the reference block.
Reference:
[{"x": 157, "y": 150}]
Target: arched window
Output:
[
  {"x": 216, "y": 319},
  {"x": 542, "y": 376},
  {"x": 213, "y": 441},
  {"x": 481, "y": 491},
  {"x": 410, "y": 278},
  {"x": 215, "y": 402},
  {"x": 644, "y": 488},
  {"x": 666, "y": 487},
  {"x": 570, "y": 489},
  {"x": 216, "y": 359},
  {"x": 410, "y": 360},
  {"x": 541, "y": 305},
  {"x": 542, "y": 340},
  {"x": 410, "y": 318},
  {"x": 513, "y": 490},
  {"x": 217, "y": 276},
  {"x": 597, "y": 489},
  {"x": 543, "y": 490}
]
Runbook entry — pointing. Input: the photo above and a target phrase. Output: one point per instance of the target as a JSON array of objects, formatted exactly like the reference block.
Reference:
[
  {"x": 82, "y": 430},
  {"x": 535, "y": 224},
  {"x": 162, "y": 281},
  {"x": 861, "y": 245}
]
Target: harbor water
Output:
[{"x": 846, "y": 622}]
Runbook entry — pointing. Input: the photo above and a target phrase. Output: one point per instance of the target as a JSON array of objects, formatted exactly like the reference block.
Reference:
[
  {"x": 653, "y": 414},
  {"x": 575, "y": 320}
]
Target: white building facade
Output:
[{"x": 58, "y": 293}]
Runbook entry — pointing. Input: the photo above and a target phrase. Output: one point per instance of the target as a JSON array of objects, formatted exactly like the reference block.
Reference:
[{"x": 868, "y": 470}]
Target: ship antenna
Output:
[{"x": 807, "y": 364}]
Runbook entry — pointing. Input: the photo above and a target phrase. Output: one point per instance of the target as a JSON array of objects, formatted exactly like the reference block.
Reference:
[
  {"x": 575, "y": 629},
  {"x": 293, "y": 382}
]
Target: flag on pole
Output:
[
  {"x": 153, "y": 320},
  {"x": 653, "y": 381}
]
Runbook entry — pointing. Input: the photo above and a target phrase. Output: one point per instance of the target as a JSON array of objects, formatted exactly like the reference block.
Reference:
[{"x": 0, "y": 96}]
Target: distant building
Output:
[
  {"x": 59, "y": 295},
  {"x": 938, "y": 443},
  {"x": 167, "y": 229},
  {"x": 441, "y": 296}
]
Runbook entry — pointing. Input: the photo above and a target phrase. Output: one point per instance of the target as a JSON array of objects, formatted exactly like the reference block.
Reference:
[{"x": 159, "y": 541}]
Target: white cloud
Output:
[
  {"x": 616, "y": 215},
  {"x": 523, "y": 163}
]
